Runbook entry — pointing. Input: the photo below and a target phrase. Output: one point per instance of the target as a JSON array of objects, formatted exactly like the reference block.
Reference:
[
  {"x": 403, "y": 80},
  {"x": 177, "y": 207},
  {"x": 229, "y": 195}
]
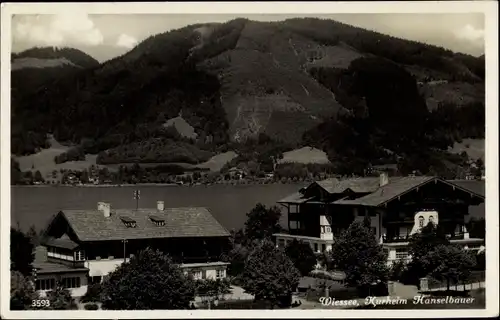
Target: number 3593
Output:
[{"x": 40, "y": 303}]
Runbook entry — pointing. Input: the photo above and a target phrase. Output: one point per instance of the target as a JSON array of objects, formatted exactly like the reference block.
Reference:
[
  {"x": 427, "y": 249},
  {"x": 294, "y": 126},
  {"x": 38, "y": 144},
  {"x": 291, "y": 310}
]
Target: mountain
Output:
[
  {"x": 349, "y": 91},
  {"x": 30, "y": 71},
  {"x": 34, "y": 67}
]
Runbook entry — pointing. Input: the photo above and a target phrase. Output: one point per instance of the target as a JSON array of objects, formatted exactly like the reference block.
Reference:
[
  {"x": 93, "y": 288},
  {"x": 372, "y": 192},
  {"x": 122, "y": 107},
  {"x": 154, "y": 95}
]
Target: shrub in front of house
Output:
[
  {"x": 93, "y": 293},
  {"x": 91, "y": 306}
]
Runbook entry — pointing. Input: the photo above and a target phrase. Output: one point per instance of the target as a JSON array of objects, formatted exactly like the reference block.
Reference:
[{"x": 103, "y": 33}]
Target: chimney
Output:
[
  {"x": 105, "y": 208},
  {"x": 160, "y": 205},
  {"x": 384, "y": 179}
]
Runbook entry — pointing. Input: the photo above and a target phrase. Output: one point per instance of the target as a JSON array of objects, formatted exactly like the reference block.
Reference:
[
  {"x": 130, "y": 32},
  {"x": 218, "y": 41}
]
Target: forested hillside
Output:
[{"x": 363, "y": 97}]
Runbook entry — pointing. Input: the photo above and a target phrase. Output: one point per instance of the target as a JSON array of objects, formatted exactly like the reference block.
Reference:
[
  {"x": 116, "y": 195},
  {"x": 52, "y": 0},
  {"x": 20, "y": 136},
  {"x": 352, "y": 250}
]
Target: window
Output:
[
  {"x": 401, "y": 253},
  {"x": 59, "y": 253},
  {"x": 160, "y": 222},
  {"x": 197, "y": 275},
  {"x": 128, "y": 222},
  {"x": 373, "y": 230},
  {"x": 315, "y": 247},
  {"x": 322, "y": 229},
  {"x": 80, "y": 255},
  {"x": 323, "y": 247},
  {"x": 431, "y": 219},
  {"x": 328, "y": 230},
  {"x": 69, "y": 283},
  {"x": 45, "y": 284},
  {"x": 421, "y": 222},
  {"x": 220, "y": 274}
]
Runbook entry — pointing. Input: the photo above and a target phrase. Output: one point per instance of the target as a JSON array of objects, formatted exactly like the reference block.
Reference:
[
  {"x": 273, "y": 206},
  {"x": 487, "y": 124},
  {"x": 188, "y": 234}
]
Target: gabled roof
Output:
[
  {"x": 395, "y": 188},
  {"x": 51, "y": 268},
  {"x": 63, "y": 242},
  {"x": 358, "y": 185},
  {"x": 296, "y": 198},
  {"x": 91, "y": 225},
  {"x": 475, "y": 186}
]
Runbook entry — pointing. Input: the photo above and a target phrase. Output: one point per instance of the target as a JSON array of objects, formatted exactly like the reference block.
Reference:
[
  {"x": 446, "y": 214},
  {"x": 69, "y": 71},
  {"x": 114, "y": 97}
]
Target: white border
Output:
[{"x": 489, "y": 8}]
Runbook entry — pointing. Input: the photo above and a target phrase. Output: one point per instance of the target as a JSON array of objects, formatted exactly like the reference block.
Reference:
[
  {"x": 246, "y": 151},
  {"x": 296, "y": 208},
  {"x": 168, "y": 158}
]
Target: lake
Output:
[{"x": 229, "y": 204}]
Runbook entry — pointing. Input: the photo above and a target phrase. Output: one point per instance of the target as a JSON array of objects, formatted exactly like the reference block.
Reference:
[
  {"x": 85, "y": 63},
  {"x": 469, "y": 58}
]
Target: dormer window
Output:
[
  {"x": 160, "y": 222},
  {"x": 128, "y": 222}
]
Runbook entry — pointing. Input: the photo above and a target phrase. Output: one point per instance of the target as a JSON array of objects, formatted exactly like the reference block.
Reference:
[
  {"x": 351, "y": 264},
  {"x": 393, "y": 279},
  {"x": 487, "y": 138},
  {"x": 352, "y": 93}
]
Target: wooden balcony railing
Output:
[{"x": 406, "y": 238}]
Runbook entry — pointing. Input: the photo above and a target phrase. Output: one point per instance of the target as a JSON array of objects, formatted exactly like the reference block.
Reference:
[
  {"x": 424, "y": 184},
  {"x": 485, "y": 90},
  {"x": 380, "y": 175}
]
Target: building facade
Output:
[
  {"x": 89, "y": 244},
  {"x": 397, "y": 207}
]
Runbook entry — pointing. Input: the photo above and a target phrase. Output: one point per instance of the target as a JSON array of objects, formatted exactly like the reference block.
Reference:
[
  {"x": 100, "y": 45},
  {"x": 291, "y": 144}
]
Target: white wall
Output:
[
  {"x": 75, "y": 292},
  {"x": 102, "y": 267}
]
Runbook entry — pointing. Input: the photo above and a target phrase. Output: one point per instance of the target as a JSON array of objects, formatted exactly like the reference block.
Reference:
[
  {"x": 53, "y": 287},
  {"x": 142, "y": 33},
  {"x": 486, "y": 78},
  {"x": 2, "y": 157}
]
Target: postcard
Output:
[{"x": 251, "y": 159}]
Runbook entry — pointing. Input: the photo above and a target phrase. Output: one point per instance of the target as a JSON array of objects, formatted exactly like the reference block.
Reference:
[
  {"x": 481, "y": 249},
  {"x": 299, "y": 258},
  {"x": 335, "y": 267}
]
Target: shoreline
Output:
[{"x": 153, "y": 185}]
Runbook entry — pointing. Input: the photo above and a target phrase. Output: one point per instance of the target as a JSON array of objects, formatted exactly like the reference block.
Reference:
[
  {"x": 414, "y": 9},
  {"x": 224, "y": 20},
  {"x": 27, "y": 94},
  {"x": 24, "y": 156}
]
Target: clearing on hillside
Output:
[
  {"x": 43, "y": 161},
  {"x": 218, "y": 161},
  {"x": 305, "y": 155},
  {"x": 181, "y": 125}
]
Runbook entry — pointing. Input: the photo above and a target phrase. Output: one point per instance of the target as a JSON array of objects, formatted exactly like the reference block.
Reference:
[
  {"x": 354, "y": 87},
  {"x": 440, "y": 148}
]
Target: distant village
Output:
[{"x": 136, "y": 174}]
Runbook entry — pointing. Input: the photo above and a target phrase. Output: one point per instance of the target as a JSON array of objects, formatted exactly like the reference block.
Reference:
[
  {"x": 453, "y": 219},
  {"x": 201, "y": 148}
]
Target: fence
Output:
[{"x": 474, "y": 282}]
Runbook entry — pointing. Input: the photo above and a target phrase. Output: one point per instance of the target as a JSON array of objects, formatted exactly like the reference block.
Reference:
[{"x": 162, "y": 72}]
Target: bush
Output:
[
  {"x": 93, "y": 293},
  {"x": 91, "y": 306},
  {"x": 398, "y": 270}
]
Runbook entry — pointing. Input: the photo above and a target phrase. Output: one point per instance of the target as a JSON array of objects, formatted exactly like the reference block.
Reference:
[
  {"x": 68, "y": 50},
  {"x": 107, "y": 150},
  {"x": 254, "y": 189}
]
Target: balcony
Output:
[
  {"x": 406, "y": 238},
  {"x": 395, "y": 239}
]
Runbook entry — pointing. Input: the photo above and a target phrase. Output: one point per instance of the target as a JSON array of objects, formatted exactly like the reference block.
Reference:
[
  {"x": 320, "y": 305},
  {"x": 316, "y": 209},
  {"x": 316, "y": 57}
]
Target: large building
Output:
[
  {"x": 397, "y": 206},
  {"x": 83, "y": 246}
]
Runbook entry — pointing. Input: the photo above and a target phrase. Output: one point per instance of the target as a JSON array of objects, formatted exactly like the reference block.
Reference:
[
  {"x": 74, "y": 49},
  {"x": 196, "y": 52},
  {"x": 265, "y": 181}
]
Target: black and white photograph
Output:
[{"x": 249, "y": 159}]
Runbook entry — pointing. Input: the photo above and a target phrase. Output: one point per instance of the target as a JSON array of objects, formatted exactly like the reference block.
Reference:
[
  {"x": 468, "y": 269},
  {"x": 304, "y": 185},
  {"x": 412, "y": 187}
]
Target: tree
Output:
[
  {"x": 236, "y": 257},
  {"x": 481, "y": 260},
  {"x": 22, "y": 292},
  {"x": 149, "y": 281},
  {"x": 262, "y": 222},
  {"x": 60, "y": 298},
  {"x": 211, "y": 290},
  {"x": 421, "y": 243},
  {"x": 358, "y": 254},
  {"x": 15, "y": 172},
  {"x": 33, "y": 235},
  {"x": 477, "y": 228},
  {"x": 450, "y": 263},
  {"x": 21, "y": 252},
  {"x": 302, "y": 256},
  {"x": 85, "y": 176},
  {"x": 93, "y": 293},
  {"x": 270, "y": 275},
  {"x": 38, "y": 176}
]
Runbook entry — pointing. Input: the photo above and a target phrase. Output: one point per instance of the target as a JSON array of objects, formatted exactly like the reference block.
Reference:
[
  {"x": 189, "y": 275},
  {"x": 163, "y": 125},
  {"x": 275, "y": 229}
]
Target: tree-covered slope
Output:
[{"x": 354, "y": 93}]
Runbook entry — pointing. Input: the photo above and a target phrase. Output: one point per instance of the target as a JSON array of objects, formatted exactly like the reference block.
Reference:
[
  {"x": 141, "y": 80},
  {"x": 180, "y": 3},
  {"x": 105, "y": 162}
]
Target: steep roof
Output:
[
  {"x": 358, "y": 185},
  {"x": 394, "y": 188},
  {"x": 50, "y": 267},
  {"x": 398, "y": 187},
  {"x": 475, "y": 186},
  {"x": 91, "y": 225},
  {"x": 63, "y": 242},
  {"x": 296, "y": 198}
]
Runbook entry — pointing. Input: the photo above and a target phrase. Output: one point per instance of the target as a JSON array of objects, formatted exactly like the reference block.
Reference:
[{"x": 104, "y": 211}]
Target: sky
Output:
[{"x": 105, "y": 36}]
